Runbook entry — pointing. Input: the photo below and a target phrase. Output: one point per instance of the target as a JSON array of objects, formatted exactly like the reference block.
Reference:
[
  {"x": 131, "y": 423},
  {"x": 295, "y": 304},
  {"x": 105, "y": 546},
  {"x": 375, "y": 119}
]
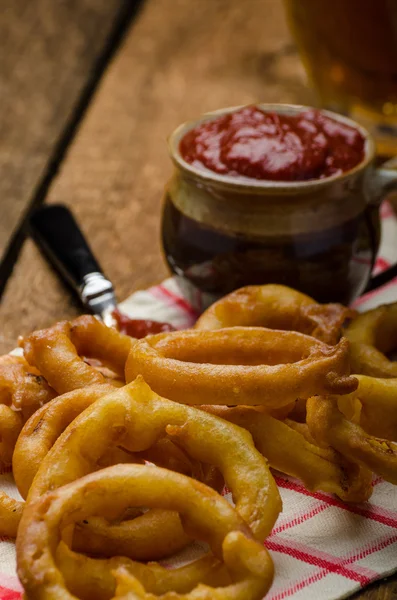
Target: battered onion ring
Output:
[
  {"x": 240, "y": 365},
  {"x": 93, "y": 579},
  {"x": 10, "y": 515},
  {"x": 43, "y": 429},
  {"x": 22, "y": 391},
  {"x": 372, "y": 335},
  {"x": 21, "y": 386},
  {"x": 155, "y": 535},
  {"x": 134, "y": 418},
  {"x": 57, "y": 352},
  {"x": 276, "y": 307},
  {"x": 373, "y": 405},
  {"x": 11, "y": 509},
  {"x": 152, "y": 535},
  {"x": 328, "y": 425},
  {"x": 204, "y": 513},
  {"x": 10, "y": 425},
  {"x": 288, "y": 451},
  {"x": 34, "y": 441}
]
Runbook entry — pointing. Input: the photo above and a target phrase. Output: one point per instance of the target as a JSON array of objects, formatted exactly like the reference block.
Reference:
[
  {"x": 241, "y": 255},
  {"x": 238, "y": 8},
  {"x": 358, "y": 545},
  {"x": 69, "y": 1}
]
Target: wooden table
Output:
[{"x": 89, "y": 91}]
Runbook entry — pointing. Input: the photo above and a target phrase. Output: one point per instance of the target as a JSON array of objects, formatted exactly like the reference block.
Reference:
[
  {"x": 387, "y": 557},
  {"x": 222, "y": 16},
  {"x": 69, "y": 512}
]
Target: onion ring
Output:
[
  {"x": 372, "y": 335},
  {"x": 328, "y": 425},
  {"x": 151, "y": 535},
  {"x": 276, "y": 307},
  {"x": 93, "y": 579},
  {"x": 35, "y": 439},
  {"x": 57, "y": 352},
  {"x": 21, "y": 386},
  {"x": 134, "y": 418},
  {"x": 374, "y": 406},
  {"x": 204, "y": 513},
  {"x": 288, "y": 451},
  {"x": 240, "y": 365},
  {"x": 97, "y": 536},
  {"x": 22, "y": 391}
]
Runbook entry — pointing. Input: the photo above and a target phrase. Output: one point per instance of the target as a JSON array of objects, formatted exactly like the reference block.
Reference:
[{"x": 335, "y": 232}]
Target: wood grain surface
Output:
[
  {"x": 385, "y": 590},
  {"x": 175, "y": 64},
  {"x": 48, "y": 51}
]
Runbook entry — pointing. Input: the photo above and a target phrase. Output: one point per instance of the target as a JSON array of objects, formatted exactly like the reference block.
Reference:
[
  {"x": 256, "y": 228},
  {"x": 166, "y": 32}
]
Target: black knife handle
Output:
[{"x": 58, "y": 235}]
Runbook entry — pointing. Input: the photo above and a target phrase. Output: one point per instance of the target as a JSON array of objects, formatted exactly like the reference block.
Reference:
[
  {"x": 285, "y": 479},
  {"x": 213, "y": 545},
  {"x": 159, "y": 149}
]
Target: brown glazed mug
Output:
[{"x": 320, "y": 236}]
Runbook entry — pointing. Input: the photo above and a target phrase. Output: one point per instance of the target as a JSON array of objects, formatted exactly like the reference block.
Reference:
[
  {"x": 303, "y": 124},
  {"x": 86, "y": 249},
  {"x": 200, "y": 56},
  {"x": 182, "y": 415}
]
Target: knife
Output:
[{"x": 56, "y": 232}]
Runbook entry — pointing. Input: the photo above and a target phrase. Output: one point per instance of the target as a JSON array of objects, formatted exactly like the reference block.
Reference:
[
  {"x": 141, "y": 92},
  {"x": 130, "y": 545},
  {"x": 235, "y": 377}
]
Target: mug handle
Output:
[{"x": 385, "y": 181}]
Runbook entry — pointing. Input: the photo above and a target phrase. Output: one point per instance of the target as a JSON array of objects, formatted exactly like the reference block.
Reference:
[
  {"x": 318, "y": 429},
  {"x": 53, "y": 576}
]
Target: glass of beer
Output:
[{"x": 349, "y": 49}]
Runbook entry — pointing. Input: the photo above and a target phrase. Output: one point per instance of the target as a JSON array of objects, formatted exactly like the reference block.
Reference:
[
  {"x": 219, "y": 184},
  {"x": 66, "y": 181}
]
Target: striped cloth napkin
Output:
[{"x": 321, "y": 547}]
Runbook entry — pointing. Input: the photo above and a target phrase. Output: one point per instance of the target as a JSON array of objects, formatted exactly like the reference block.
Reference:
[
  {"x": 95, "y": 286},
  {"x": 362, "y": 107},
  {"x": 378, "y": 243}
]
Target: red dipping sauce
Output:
[
  {"x": 139, "y": 328},
  {"x": 271, "y": 146}
]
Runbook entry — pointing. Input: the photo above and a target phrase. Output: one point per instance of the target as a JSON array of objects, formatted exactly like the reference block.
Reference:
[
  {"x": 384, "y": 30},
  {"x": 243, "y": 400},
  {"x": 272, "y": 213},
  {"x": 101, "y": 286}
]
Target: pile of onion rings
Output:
[
  {"x": 240, "y": 365},
  {"x": 277, "y": 307},
  {"x": 59, "y": 352},
  {"x": 22, "y": 391},
  {"x": 120, "y": 447},
  {"x": 372, "y": 336},
  {"x": 248, "y": 566}
]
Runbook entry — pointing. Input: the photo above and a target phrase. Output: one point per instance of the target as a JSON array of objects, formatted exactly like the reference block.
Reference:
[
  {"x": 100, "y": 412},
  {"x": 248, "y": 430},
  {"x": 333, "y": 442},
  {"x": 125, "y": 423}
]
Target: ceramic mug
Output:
[{"x": 319, "y": 236}]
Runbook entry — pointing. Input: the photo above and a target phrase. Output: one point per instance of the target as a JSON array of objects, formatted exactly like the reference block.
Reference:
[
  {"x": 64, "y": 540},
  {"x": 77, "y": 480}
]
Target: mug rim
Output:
[{"x": 245, "y": 184}]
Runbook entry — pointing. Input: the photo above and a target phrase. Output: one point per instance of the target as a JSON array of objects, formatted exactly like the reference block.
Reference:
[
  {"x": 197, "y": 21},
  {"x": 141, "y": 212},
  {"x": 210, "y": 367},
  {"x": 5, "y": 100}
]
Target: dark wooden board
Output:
[{"x": 49, "y": 52}]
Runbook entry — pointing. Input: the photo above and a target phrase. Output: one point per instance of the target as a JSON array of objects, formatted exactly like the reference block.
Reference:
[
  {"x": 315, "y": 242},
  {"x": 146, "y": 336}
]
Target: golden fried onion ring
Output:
[
  {"x": 155, "y": 535},
  {"x": 276, "y": 307},
  {"x": 10, "y": 425},
  {"x": 22, "y": 391},
  {"x": 10, "y": 515},
  {"x": 21, "y": 386},
  {"x": 152, "y": 535},
  {"x": 43, "y": 429},
  {"x": 287, "y": 450},
  {"x": 372, "y": 335},
  {"x": 240, "y": 365},
  {"x": 134, "y": 418},
  {"x": 329, "y": 426},
  {"x": 93, "y": 579},
  {"x": 373, "y": 405},
  {"x": 35, "y": 439},
  {"x": 57, "y": 352},
  {"x": 204, "y": 514}
]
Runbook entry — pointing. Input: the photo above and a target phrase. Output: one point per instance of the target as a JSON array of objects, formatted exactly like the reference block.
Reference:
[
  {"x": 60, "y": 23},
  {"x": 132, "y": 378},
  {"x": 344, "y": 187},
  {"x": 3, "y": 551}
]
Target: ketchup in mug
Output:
[
  {"x": 277, "y": 147},
  {"x": 272, "y": 194}
]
